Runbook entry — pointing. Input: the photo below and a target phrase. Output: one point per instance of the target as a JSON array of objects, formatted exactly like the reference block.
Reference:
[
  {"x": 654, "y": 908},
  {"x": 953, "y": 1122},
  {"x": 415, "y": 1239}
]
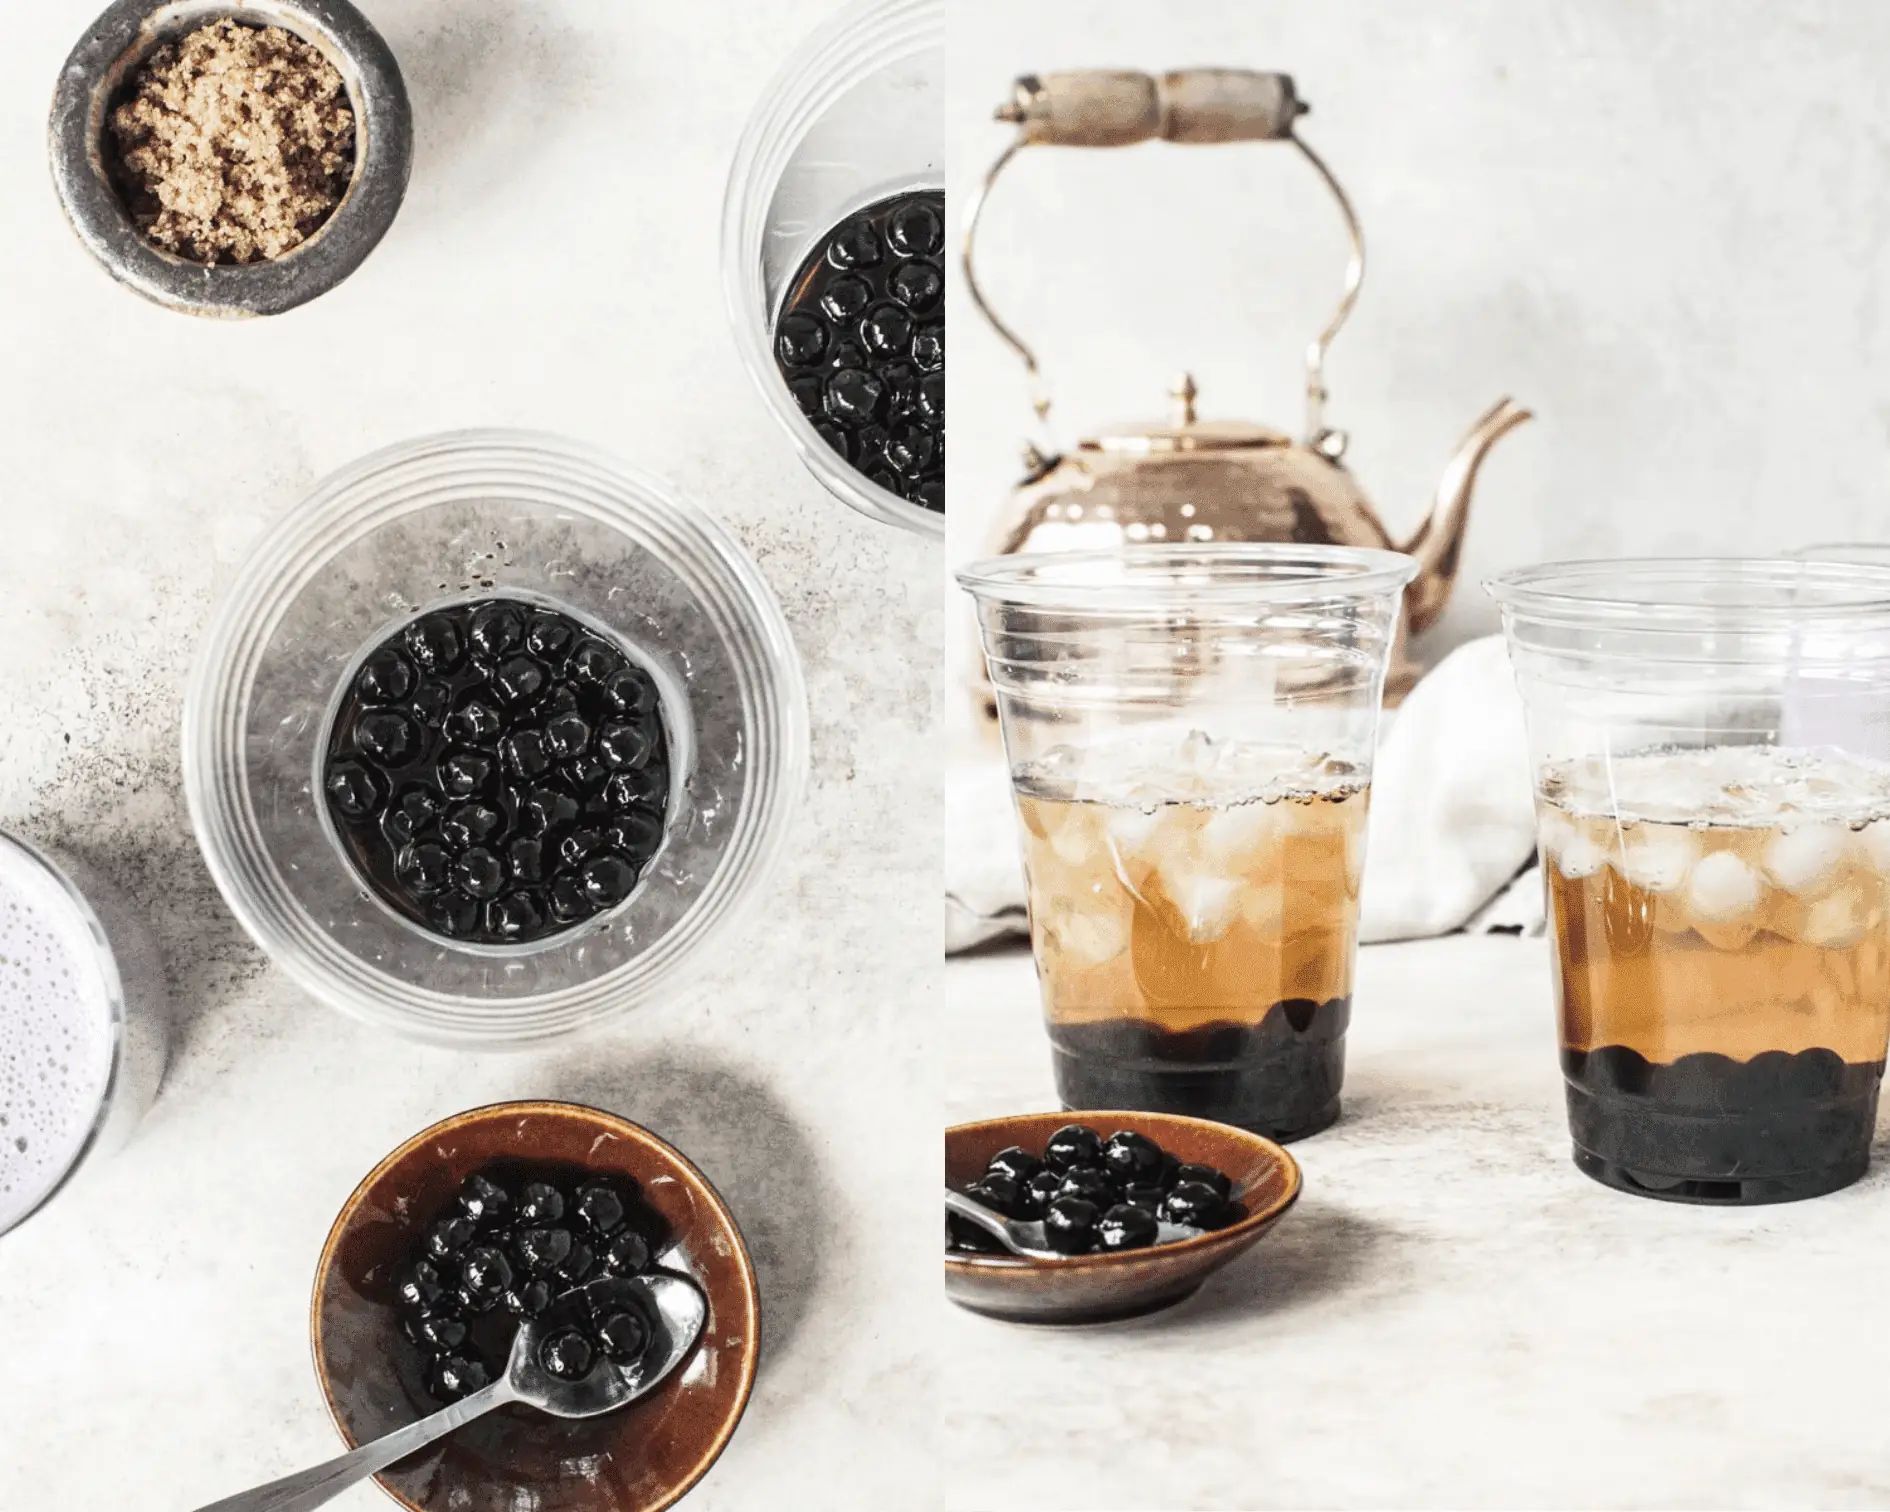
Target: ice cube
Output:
[
  {"x": 1208, "y": 902},
  {"x": 1722, "y": 887},
  {"x": 1873, "y": 843},
  {"x": 1132, "y": 825},
  {"x": 1088, "y": 935},
  {"x": 1354, "y": 858},
  {"x": 1657, "y": 857},
  {"x": 1799, "y": 858},
  {"x": 1579, "y": 855},
  {"x": 1263, "y": 907},
  {"x": 1835, "y": 921},
  {"x": 1733, "y": 935},
  {"x": 1237, "y": 836}
]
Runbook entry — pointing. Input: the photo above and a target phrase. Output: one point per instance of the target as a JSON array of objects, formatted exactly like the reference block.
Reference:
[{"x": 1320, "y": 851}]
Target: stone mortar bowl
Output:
[{"x": 95, "y": 75}]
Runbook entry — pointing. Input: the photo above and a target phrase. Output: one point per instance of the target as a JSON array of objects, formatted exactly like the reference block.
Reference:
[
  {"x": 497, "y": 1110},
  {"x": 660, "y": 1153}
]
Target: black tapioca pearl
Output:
[
  {"x": 931, "y": 400},
  {"x": 354, "y": 790},
  {"x": 637, "y": 788},
  {"x": 587, "y": 775},
  {"x": 910, "y": 449},
  {"x": 567, "y": 1354},
  {"x": 424, "y": 868},
  {"x": 421, "y": 1286},
  {"x": 542, "y": 1250},
  {"x": 578, "y": 844},
  {"x": 548, "y": 637},
  {"x": 621, "y": 743},
  {"x": 623, "y": 1335},
  {"x": 431, "y": 703},
  {"x": 386, "y": 736},
  {"x": 884, "y": 476},
  {"x": 928, "y": 350},
  {"x": 479, "y": 874},
  {"x": 1072, "y": 1145},
  {"x": 516, "y": 916},
  {"x": 1207, "y": 1176},
  {"x": 1089, "y": 1182},
  {"x": 442, "y": 1333},
  {"x": 608, "y": 879},
  {"x": 1130, "y": 1157},
  {"x": 464, "y": 774},
  {"x": 453, "y": 916},
  {"x": 485, "y": 1270},
  {"x": 484, "y": 1201},
  {"x": 931, "y": 493},
  {"x": 476, "y": 722},
  {"x": 1126, "y": 1226},
  {"x": 576, "y": 1267},
  {"x": 410, "y": 814},
  {"x": 631, "y": 692},
  {"x": 1069, "y": 1225},
  {"x": 567, "y": 900},
  {"x": 849, "y": 354},
  {"x": 886, "y": 330},
  {"x": 495, "y": 629},
  {"x": 855, "y": 397},
  {"x": 529, "y": 1299},
  {"x": 600, "y": 1209},
  {"x": 846, "y": 298},
  {"x": 854, "y": 244},
  {"x": 627, "y": 1254},
  {"x": 800, "y": 340},
  {"x": 524, "y": 753},
  {"x": 547, "y": 811},
  {"x": 567, "y": 735},
  {"x": 519, "y": 679},
  {"x": 837, "y": 437},
  {"x": 540, "y": 1204},
  {"x": 454, "y": 1376},
  {"x": 635, "y": 835},
  {"x": 916, "y": 285},
  {"x": 902, "y": 380},
  {"x": 435, "y": 643},
  {"x": 808, "y": 390},
  {"x": 915, "y": 229},
  {"x": 1194, "y": 1203},
  {"x": 593, "y": 663},
  {"x": 469, "y": 824},
  {"x": 525, "y": 860},
  {"x": 449, "y": 1236},
  {"x": 387, "y": 677}
]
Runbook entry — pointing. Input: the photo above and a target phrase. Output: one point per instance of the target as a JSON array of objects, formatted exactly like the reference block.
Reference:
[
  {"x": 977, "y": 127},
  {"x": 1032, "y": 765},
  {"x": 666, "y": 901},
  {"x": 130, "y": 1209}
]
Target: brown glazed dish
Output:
[
  {"x": 1095, "y": 1288},
  {"x": 640, "y": 1459}
]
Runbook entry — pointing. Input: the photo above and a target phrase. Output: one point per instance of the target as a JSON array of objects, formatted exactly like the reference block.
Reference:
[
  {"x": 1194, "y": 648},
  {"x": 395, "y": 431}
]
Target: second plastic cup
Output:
[
  {"x": 1712, "y": 766},
  {"x": 1190, "y": 734}
]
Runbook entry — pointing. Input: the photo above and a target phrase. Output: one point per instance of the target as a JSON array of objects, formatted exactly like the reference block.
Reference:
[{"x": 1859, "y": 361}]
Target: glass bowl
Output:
[
  {"x": 857, "y": 113},
  {"x": 439, "y": 521}
]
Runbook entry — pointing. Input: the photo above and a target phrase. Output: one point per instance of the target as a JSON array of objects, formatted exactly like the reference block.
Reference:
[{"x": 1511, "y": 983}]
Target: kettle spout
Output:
[{"x": 1438, "y": 544}]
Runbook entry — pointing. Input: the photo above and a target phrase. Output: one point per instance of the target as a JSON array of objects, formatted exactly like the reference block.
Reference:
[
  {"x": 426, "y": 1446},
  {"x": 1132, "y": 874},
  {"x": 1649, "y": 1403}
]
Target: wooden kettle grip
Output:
[{"x": 1117, "y": 108}]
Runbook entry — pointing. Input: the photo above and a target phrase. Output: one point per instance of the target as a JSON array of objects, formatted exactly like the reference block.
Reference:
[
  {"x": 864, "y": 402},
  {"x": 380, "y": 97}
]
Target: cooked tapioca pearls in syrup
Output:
[{"x": 55, "y": 1034}]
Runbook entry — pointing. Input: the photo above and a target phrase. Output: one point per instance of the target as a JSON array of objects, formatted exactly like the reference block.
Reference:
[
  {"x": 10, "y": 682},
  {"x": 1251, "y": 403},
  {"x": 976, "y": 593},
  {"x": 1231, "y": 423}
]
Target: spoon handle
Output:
[
  {"x": 311, "y": 1488},
  {"x": 984, "y": 1218}
]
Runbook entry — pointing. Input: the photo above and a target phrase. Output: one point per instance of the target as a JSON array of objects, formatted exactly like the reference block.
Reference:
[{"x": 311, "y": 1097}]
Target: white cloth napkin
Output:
[{"x": 1452, "y": 826}]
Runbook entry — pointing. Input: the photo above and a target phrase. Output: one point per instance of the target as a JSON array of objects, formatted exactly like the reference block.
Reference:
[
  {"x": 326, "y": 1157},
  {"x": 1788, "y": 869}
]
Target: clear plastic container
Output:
[
  {"x": 81, "y": 1062},
  {"x": 1711, "y": 744},
  {"x": 857, "y": 113},
  {"x": 443, "y": 520},
  {"x": 1190, "y": 731}
]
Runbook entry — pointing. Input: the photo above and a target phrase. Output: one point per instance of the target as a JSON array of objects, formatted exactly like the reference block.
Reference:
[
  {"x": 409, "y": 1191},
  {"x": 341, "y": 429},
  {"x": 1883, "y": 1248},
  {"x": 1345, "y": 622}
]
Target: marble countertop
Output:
[
  {"x": 1452, "y": 1316},
  {"x": 555, "y": 266}
]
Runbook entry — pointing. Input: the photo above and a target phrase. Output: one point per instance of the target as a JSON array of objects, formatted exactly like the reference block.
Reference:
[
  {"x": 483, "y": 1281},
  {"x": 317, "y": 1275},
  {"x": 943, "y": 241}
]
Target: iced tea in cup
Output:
[
  {"x": 1190, "y": 733},
  {"x": 1713, "y": 802}
]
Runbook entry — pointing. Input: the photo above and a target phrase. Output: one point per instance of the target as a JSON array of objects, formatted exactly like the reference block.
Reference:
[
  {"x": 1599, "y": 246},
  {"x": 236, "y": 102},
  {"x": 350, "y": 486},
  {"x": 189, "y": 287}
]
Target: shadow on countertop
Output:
[{"x": 748, "y": 1146}]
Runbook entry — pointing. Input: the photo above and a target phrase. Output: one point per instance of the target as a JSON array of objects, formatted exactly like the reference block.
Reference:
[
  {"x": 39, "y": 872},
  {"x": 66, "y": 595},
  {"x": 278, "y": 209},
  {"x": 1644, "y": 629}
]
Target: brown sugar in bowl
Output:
[
  {"x": 1098, "y": 1287},
  {"x": 640, "y": 1459}
]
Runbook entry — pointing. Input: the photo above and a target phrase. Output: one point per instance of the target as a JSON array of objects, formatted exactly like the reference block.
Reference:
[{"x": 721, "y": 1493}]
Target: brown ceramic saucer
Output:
[
  {"x": 640, "y": 1459},
  {"x": 1094, "y": 1288}
]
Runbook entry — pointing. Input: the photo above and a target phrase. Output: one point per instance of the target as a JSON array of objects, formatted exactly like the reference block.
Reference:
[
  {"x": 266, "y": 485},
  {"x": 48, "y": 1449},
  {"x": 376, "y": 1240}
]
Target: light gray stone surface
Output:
[
  {"x": 1452, "y": 1315},
  {"x": 555, "y": 266}
]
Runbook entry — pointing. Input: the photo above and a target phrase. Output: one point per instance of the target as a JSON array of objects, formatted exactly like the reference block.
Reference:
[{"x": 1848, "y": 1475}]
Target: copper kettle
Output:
[{"x": 1193, "y": 480}]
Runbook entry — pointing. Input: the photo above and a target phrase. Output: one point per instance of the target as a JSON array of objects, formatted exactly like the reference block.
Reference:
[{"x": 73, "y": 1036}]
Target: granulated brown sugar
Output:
[{"x": 234, "y": 143}]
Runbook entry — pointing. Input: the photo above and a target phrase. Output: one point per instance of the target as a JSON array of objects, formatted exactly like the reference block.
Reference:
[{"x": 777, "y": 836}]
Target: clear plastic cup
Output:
[
  {"x": 459, "y": 517},
  {"x": 1712, "y": 768},
  {"x": 84, "y": 1025},
  {"x": 857, "y": 113},
  {"x": 1190, "y": 732}
]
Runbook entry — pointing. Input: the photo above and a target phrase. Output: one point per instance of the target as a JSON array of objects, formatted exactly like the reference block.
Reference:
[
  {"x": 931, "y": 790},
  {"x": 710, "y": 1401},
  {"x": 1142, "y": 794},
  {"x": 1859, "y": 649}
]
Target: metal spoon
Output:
[
  {"x": 676, "y": 1309},
  {"x": 1027, "y": 1238}
]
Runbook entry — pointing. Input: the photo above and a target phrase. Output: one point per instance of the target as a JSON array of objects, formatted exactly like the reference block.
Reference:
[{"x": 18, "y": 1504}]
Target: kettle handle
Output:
[{"x": 1118, "y": 108}]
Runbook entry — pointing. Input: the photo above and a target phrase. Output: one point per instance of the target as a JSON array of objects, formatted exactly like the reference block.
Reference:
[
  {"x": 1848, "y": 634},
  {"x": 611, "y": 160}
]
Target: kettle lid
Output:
[{"x": 1184, "y": 433}]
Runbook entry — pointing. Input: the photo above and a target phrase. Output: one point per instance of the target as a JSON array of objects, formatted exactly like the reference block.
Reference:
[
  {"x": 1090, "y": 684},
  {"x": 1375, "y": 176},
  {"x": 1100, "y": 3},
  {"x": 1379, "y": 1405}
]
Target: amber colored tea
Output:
[
  {"x": 1196, "y": 948},
  {"x": 1722, "y": 930}
]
